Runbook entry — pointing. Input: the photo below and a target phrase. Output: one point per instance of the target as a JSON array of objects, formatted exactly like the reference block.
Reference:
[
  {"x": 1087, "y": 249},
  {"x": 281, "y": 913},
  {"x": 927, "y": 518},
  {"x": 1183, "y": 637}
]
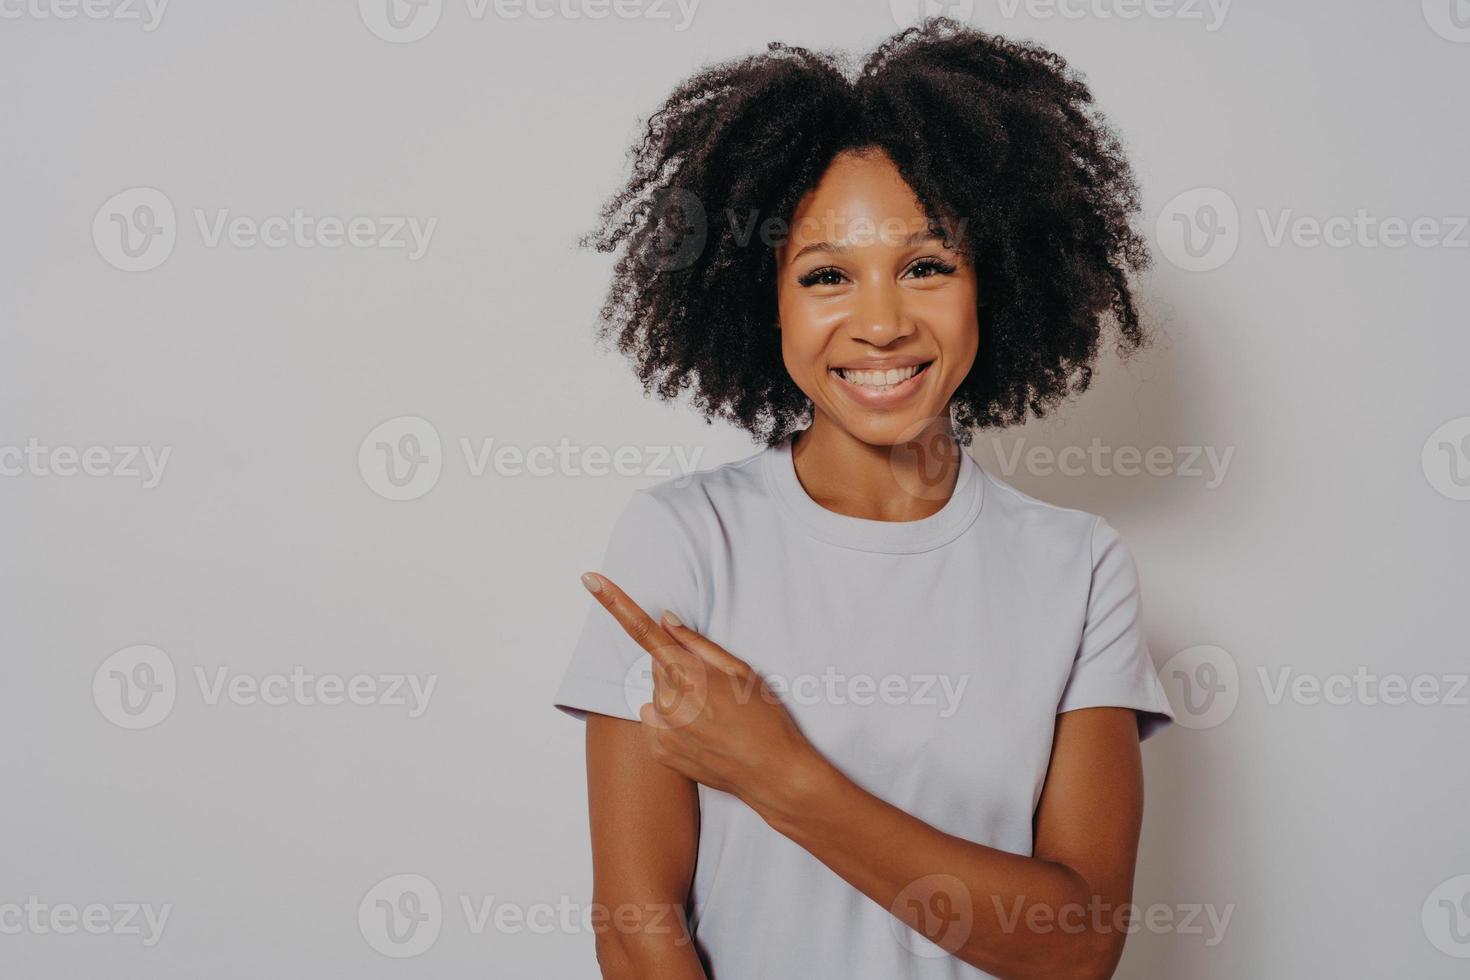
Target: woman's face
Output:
[{"x": 878, "y": 319}]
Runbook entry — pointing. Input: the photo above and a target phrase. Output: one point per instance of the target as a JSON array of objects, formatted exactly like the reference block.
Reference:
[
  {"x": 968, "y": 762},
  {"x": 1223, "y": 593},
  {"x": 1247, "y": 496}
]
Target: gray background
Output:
[{"x": 1335, "y": 833}]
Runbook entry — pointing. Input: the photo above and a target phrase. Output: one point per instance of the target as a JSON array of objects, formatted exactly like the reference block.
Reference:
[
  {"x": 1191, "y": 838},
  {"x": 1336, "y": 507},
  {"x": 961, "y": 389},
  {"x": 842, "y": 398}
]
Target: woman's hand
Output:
[{"x": 712, "y": 718}]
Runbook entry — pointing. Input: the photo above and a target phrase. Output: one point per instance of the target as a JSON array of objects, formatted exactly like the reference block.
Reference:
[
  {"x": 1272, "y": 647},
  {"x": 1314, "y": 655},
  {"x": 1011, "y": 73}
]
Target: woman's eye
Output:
[
  {"x": 827, "y": 276},
  {"x": 926, "y": 268}
]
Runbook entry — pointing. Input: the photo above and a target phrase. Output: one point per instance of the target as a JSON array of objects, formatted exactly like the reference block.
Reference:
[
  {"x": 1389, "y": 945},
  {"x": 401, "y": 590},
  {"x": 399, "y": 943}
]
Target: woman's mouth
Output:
[{"x": 881, "y": 388}]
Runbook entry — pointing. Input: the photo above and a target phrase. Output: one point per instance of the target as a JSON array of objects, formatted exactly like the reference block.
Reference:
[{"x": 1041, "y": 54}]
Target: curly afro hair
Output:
[{"x": 998, "y": 135}]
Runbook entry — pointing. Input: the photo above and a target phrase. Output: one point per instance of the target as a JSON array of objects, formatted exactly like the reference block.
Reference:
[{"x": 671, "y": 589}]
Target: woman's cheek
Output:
[
  {"x": 807, "y": 329},
  {"x": 951, "y": 316}
]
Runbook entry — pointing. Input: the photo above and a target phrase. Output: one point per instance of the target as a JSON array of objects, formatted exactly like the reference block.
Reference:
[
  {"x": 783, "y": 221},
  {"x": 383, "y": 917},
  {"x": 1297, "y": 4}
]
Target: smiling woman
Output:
[{"x": 765, "y": 759}]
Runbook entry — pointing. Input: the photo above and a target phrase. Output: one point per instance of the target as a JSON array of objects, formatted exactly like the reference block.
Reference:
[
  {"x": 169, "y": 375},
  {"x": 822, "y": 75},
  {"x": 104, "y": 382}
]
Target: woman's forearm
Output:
[{"x": 981, "y": 904}]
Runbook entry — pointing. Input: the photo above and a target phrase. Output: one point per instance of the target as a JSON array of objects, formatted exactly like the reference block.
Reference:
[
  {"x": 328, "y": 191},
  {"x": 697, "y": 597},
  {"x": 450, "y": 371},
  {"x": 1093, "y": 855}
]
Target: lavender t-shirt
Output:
[{"x": 926, "y": 659}]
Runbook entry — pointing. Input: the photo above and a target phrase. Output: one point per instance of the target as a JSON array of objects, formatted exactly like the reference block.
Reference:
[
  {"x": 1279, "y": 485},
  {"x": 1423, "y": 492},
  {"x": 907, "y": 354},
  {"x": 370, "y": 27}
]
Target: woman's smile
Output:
[{"x": 881, "y": 385}]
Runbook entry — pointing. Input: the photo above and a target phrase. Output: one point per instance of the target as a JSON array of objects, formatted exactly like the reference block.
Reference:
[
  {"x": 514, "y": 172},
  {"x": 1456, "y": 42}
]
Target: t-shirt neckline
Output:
[{"x": 863, "y": 534}]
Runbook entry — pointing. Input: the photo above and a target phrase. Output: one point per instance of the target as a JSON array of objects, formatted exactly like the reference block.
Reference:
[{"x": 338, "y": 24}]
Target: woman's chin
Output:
[{"x": 892, "y": 428}]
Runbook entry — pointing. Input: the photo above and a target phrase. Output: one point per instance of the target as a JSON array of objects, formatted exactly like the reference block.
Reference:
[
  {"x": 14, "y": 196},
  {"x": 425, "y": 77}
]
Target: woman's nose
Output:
[{"x": 879, "y": 315}]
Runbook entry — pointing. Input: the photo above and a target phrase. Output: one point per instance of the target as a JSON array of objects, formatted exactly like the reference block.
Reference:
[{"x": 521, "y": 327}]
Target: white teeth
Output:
[{"x": 879, "y": 379}]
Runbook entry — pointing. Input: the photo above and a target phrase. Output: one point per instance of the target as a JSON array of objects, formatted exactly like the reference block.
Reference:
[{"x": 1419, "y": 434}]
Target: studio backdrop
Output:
[{"x": 305, "y": 438}]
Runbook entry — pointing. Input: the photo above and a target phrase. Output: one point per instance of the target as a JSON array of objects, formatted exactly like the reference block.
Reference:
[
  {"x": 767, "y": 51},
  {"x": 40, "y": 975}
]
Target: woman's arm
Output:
[
  {"x": 645, "y": 835},
  {"x": 1060, "y": 913}
]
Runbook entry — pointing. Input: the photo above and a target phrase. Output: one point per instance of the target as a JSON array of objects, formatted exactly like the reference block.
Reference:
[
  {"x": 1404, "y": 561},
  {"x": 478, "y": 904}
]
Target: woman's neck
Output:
[{"x": 907, "y": 481}]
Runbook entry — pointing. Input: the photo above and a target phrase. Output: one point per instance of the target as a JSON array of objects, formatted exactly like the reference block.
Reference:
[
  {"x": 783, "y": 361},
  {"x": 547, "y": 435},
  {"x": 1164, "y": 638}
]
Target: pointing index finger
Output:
[{"x": 644, "y": 630}]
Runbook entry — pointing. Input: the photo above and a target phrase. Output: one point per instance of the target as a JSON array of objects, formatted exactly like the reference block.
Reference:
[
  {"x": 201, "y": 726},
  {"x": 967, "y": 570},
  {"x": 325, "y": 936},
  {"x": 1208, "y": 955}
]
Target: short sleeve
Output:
[
  {"x": 650, "y": 555},
  {"x": 1113, "y": 667}
]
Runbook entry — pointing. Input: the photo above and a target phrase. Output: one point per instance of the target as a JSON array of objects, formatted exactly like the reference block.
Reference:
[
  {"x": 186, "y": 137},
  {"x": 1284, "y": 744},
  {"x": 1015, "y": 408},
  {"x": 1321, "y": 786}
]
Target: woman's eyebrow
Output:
[{"x": 917, "y": 238}]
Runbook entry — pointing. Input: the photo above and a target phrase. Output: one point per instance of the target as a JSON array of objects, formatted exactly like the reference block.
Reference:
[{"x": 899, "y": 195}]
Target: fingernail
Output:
[
  {"x": 592, "y": 582},
  {"x": 671, "y": 619}
]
